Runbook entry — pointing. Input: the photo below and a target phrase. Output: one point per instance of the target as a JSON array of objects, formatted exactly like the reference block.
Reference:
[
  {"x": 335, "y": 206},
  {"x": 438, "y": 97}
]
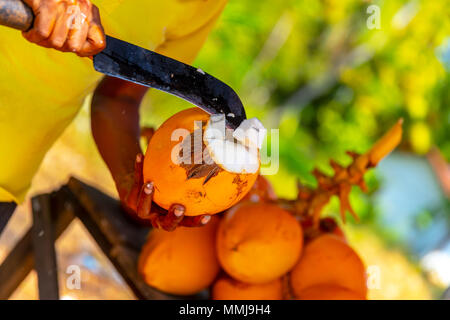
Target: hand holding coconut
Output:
[
  {"x": 192, "y": 160},
  {"x": 188, "y": 173},
  {"x": 139, "y": 201},
  {"x": 194, "y": 168}
]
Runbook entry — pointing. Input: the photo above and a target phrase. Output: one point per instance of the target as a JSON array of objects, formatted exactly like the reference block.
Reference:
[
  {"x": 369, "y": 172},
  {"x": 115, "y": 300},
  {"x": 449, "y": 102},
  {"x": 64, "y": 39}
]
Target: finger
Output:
[
  {"x": 95, "y": 42},
  {"x": 174, "y": 216},
  {"x": 61, "y": 29},
  {"x": 155, "y": 213},
  {"x": 96, "y": 36},
  {"x": 79, "y": 29},
  {"x": 196, "y": 221},
  {"x": 43, "y": 25},
  {"x": 134, "y": 192},
  {"x": 145, "y": 201},
  {"x": 44, "y": 43},
  {"x": 138, "y": 170}
]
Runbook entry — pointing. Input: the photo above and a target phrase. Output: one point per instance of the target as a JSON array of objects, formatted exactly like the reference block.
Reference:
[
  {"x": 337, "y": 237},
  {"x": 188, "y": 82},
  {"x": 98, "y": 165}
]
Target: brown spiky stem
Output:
[{"x": 310, "y": 202}]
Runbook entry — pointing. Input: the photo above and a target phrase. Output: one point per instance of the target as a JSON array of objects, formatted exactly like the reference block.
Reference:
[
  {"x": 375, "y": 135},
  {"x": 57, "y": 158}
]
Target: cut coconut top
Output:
[{"x": 237, "y": 150}]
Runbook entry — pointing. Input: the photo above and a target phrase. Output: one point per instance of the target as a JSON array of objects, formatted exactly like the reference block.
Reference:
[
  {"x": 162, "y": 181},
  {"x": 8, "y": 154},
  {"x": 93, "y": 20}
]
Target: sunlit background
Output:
[{"x": 330, "y": 81}]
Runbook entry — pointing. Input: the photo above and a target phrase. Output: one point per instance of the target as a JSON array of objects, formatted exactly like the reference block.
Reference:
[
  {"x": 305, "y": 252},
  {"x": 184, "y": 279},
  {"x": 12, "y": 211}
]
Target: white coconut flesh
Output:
[{"x": 236, "y": 151}]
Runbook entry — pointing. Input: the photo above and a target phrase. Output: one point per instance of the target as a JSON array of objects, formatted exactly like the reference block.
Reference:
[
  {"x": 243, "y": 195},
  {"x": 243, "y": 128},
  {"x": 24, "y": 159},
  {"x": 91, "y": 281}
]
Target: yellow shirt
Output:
[{"x": 41, "y": 90}]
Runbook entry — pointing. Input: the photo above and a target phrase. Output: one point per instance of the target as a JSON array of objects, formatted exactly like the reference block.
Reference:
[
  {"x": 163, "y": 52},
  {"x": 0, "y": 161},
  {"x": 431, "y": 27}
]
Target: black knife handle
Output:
[{"x": 16, "y": 14}]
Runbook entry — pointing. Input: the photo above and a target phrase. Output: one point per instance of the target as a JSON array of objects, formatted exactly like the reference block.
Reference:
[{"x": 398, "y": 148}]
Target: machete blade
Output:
[{"x": 132, "y": 63}]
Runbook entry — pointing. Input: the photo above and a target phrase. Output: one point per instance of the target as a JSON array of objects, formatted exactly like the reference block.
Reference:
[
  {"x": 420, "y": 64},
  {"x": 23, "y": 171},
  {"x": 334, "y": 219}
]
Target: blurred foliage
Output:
[{"x": 397, "y": 278}]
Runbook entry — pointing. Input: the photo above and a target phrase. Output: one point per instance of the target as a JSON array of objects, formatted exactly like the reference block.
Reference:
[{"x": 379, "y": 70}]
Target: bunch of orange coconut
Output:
[{"x": 255, "y": 246}]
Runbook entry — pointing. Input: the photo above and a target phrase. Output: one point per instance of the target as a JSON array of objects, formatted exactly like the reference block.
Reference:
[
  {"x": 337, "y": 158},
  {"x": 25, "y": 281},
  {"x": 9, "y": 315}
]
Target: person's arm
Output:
[
  {"x": 115, "y": 127},
  {"x": 67, "y": 25},
  {"x": 116, "y": 131}
]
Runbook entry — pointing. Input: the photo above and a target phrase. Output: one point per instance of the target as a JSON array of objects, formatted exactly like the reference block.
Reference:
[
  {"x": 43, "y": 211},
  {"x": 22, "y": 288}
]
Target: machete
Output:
[{"x": 126, "y": 61}]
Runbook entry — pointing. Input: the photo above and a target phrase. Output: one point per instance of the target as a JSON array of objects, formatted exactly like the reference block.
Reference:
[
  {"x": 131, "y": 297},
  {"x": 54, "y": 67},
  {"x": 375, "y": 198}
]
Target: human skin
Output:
[{"x": 67, "y": 25}]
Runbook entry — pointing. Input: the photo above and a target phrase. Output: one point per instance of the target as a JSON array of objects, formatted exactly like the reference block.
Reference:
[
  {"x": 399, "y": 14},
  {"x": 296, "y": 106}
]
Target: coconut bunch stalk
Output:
[{"x": 311, "y": 201}]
